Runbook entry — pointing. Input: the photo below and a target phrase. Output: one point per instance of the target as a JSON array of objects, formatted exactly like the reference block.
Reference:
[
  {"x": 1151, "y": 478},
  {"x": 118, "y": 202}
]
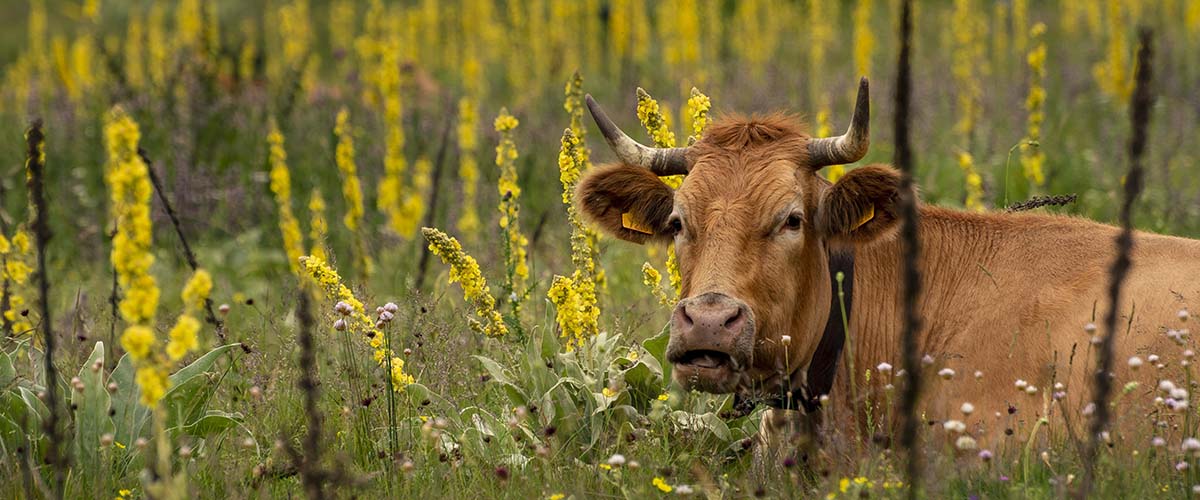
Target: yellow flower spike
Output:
[
  {"x": 138, "y": 341},
  {"x": 974, "y": 183},
  {"x": 967, "y": 57},
  {"x": 183, "y": 337},
  {"x": 1032, "y": 157},
  {"x": 864, "y": 37},
  {"x": 575, "y": 298},
  {"x": 653, "y": 279},
  {"x": 352, "y": 189},
  {"x": 468, "y": 168},
  {"x": 128, "y": 179},
  {"x": 318, "y": 224},
  {"x": 510, "y": 208},
  {"x": 281, "y": 186},
  {"x": 465, "y": 271},
  {"x": 197, "y": 290},
  {"x": 698, "y": 106},
  {"x": 153, "y": 382}
]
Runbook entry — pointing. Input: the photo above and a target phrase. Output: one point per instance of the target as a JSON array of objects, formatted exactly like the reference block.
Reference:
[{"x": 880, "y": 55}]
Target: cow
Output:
[{"x": 790, "y": 280}]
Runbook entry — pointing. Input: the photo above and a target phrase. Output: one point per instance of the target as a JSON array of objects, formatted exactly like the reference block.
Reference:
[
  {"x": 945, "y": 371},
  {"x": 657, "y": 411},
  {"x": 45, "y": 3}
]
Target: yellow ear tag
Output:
[
  {"x": 866, "y": 217},
  {"x": 628, "y": 223}
]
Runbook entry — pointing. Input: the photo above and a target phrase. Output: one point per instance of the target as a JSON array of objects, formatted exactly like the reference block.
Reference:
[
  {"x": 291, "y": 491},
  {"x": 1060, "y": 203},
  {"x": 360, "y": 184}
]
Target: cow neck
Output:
[{"x": 823, "y": 366}]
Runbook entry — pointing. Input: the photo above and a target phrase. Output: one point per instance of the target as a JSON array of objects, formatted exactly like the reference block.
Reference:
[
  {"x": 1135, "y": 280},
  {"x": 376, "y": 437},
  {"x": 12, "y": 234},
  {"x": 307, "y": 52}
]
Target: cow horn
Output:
[
  {"x": 851, "y": 146},
  {"x": 661, "y": 161}
]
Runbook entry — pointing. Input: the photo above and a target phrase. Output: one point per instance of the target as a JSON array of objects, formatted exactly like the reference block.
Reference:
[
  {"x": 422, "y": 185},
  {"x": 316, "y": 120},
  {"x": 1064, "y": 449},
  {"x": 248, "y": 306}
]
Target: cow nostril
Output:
[
  {"x": 734, "y": 320},
  {"x": 684, "y": 316}
]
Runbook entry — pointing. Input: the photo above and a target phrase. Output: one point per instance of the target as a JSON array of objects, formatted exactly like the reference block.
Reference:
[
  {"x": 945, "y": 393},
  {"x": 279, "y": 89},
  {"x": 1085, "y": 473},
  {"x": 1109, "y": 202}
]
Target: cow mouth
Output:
[{"x": 706, "y": 359}]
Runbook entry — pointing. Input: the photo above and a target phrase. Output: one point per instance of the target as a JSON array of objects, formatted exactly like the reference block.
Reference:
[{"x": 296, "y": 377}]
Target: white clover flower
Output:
[
  {"x": 965, "y": 443},
  {"x": 683, "y": 489},
  {"x": 1089, "y": 409},
  {"x": 978, "y": 375},
  {"x": 1158, "y": 442},
  {"x": 386, "y": 316},
  {"x": 1187, "y": 353},
  {"x": 1181, "y": 405},
  {"x": 616, "y": 460},
  {"x": 1021, "y": 384},
  {"x": 1166, "y": 385},
  {"x": 1058, "y": 386},
  {"x": 884, "y": 368},
  {"x": 1031, "y": 390},
  {"x": 391, "y": 307},
  {"x": 1183, "y": 314},
  {"x": 1135, "y": 362},
  {"x": 967, "y": 408},
  {"x": 1191, "y": 444},
  {"x": 1179, "y": 393},
  {"x": 339, "y": 325},
  {"x": 927, "y": 360},
  {"x": 1153, "y": 358},
  {"x": 787, "y": 339},
  {"x": 1090, "y": 328},
  {"x": 946, "y": 373},
  {"x": 343, "y": 308}
]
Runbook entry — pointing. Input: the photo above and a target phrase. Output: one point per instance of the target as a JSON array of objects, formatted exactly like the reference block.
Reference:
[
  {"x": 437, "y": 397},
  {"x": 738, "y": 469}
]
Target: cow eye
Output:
[
  {"x": 674, "y": 225},
  {"x": 793, "y": 222}
]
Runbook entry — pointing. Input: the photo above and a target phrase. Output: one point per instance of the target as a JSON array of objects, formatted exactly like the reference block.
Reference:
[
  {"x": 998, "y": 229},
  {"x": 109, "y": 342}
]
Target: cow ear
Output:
[
  {"x": 626, "y": 201},
  {"x": 861, "y": 207}
]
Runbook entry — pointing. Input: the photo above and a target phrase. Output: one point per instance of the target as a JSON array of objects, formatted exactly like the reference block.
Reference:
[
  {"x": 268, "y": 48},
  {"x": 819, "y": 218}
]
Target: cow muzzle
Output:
[{"x": 712, "y": 340}]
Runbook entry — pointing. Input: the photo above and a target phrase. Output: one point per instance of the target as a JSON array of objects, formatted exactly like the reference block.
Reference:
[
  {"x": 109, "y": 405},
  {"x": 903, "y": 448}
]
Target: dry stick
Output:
[
  {"x": 1043, "y": 201},
  {"x": 912, "y": 249},
  {"x": 1143, "y": 98},
  {"x": 433, "y": 198},
  {"x": 35, "y": 141},
  {"x": 310, "y": 464},
  {"x": 187, "y": 249}
]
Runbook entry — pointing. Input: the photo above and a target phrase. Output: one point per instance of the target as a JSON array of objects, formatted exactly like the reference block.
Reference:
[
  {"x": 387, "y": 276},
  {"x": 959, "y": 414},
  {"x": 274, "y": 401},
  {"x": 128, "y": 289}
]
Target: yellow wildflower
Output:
[
  {"x": 608, "y": 393},
  {"x": 183, "y": 337},
  {"x": 575, "y": 297},
  {"x": 1032, "y": 157},
  {"x": 510, "y": 208},
  {"x": 864, "y": 37},
  {"x": 129, "y": 182},
  {"x": 351, "y": 189},
  {"x": 465, "y": 271},
  {"x": 153, "y": 382},
  {"x": 137, "y": 341},
  {"x": 697, "y": 106},
  {"x": 974, "y": 183},
  {"x": 844, "y": 484},
  {"x": 281, "y": 186},
  {"x": 197, "y": 289},
  {"x": 318, "y": 227},
  {"x": 968, "y": 30},
  {"x": 664, "y": 396},
  {"x": 652, "y": 279},
  {"x": 468, "y": 169},
  {"x": 662, "y": 485}
]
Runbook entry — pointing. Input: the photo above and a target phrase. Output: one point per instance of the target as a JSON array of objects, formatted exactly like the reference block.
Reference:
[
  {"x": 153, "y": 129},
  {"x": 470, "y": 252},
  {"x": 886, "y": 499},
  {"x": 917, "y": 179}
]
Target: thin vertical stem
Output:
[
  {"x": 912, "y": 248},
  {"x": 35, "y": 165},
  {"x": 187, "y": 248},
  {"x": 1139, "y": 113},
  {"x": 309, "y": 465}
]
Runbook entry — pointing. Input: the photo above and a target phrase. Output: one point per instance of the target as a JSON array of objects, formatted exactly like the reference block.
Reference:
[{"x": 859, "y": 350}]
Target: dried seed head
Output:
[
  {"x": 926, "y": 360},
  {"x": 786, "y": 339},
  {"x": 1090, "y": 328},
  {"x": 343, "y": 308},
  {"x": 107, "y": 439},
  {"x": 112, "y": 387},
  {"x": 223, "y": 308},
  {"x": 946, "y": 373},
  {"x": 967, "y": 408},
  {"x": 339, "y": 325},
  {"x": 884, "y": 368},
  {"x": 77, "y": 384},
  {"x": 965, "y": 443}
]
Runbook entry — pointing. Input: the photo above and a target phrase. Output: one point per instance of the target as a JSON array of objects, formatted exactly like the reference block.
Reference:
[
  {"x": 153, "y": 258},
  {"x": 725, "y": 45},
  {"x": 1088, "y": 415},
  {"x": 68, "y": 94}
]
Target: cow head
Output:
[{"x": 751, "y": 225}]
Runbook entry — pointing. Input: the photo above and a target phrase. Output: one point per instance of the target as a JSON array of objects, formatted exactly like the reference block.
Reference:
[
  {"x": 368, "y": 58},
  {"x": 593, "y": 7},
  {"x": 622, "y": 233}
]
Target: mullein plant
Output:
[
  {"x": 318, "y": 225},
  {"x": 281, "y": 187},
  {"x": 1032, "y": 157},
  {"x": 573, "y": 104},
  {"x": 16, "y": 257},
  {"x": 864, "y": 37},
  {"x": 575, "y": 297},
  {"x": 351, "y": 191},
  {"x": 129, "y": 184},
  {"x": 820, "y": 31},
  {"x": 516, "y": 267},
  {"x": 968, "y": 32},
  {"x": 464, "y": 270},
  {"x": 1114, "y": 75},
  {"x": 652, "y": 118},
  {"x": 468, "y": 145}
]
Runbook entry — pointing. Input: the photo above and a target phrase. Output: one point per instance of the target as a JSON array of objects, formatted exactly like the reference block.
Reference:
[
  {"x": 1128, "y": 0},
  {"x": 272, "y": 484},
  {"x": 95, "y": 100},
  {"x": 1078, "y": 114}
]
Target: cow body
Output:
[{"x": 1010, "y": 296}]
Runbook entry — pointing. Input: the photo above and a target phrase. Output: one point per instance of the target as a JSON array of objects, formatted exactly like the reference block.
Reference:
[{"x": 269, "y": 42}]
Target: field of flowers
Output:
[{"x": 329, "y": 247}]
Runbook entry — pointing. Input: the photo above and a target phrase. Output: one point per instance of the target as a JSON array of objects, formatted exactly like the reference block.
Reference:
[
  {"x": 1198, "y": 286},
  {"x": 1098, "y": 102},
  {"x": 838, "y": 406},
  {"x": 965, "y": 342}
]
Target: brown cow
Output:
[{"x": 760, "y": 238}]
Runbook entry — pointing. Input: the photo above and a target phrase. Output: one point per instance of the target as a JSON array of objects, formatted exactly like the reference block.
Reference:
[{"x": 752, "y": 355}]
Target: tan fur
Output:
[{"x": 1005, "y": 294}]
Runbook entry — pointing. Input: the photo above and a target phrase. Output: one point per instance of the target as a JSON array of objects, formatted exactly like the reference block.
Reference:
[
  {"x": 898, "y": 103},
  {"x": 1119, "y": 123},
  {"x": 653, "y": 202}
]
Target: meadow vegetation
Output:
[{"x": 329, "y": 247}]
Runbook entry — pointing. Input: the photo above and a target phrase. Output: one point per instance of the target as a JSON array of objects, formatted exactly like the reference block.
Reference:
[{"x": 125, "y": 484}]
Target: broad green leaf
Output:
[
  {"x": 129, "y": 416},
  {"x": 201, "y": 365},
  {"x": 494, "y": 370},
  {"x": 91, "y": 414},
  {"x": 657, "y": 347},
  {"x": 8, "y": 373}
]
